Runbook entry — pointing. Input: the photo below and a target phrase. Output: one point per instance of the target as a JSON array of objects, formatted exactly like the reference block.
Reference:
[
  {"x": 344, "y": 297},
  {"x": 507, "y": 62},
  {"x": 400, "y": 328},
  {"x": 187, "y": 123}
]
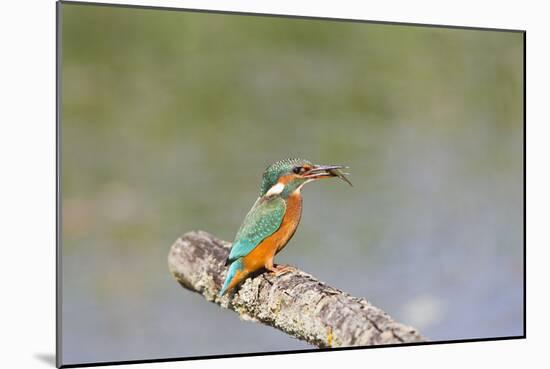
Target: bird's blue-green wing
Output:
[{"x": 262, "y": 221}]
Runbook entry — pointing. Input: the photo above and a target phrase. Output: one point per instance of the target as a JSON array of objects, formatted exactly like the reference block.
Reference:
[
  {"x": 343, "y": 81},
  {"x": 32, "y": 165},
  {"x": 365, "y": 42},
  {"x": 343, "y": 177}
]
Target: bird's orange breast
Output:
[{"x": 270, "y": 246}]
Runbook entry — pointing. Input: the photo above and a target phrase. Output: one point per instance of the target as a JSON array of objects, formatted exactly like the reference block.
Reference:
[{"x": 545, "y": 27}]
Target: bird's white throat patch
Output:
[
  {"x": 302, "y": 185},
  {"x": 276, "y": 189}
]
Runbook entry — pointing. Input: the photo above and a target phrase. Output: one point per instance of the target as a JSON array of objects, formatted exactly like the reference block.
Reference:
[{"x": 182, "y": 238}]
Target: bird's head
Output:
[{"x": 287, "y": 176}]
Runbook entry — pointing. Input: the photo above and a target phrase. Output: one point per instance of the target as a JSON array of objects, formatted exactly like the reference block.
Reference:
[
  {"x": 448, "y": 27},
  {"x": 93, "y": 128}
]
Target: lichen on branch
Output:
[{"x": 295, "y": 302}]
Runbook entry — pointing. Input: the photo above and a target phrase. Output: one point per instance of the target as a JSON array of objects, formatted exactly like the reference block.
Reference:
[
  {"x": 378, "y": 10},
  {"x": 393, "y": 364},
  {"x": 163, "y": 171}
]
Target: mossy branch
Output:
[{"x": 294, "y": 302}]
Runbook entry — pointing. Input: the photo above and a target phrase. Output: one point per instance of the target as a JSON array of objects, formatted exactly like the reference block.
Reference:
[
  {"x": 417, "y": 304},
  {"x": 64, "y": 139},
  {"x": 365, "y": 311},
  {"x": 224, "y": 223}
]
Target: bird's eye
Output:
[{"x": 297, "y": 170}]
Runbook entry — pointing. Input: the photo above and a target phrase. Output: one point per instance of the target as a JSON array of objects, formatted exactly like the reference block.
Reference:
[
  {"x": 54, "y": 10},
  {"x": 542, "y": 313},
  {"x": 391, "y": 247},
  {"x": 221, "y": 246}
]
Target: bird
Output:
[{"x": 273, "y": 219}]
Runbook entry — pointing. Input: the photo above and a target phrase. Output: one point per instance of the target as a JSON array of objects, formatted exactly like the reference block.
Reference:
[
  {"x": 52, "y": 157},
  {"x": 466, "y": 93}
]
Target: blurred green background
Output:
[{"x": 169, "y": 119}]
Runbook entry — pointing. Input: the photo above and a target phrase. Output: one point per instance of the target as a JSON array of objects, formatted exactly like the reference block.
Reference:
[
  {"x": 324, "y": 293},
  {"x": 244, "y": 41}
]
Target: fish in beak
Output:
[{"x": 327, "y": 171}]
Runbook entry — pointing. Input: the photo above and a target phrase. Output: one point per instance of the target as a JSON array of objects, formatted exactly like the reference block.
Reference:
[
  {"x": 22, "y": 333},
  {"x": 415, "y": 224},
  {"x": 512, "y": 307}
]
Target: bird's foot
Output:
[{"x": 279, "y": 269}]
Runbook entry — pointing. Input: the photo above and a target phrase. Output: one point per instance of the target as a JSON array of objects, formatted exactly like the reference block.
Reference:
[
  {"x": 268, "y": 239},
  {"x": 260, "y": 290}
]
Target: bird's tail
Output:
[{"x": 235, "y": 274}]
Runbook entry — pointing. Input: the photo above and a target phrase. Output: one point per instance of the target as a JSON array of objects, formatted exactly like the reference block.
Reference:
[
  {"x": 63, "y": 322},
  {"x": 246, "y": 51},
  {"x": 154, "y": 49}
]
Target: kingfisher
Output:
[{"x": 273, "y": 219}]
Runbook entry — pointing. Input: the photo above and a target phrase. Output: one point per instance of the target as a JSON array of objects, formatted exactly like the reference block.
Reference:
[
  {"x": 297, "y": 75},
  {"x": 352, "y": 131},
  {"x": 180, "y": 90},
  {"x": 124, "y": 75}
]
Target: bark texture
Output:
[{"x": 294, "y": 302}]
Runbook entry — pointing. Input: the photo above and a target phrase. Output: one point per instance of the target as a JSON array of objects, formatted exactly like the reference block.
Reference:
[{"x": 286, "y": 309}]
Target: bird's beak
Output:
[{"x": 327, "y": 171}]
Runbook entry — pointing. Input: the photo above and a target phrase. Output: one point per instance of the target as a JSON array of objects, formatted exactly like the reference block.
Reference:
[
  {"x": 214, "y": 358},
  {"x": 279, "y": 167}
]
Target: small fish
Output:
[{"x": 339, "y": 174}]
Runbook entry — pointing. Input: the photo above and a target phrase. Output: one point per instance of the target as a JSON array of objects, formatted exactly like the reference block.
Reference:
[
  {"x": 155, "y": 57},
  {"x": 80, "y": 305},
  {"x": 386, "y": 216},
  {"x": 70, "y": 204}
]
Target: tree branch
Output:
[{"x": 294, "y": 302}]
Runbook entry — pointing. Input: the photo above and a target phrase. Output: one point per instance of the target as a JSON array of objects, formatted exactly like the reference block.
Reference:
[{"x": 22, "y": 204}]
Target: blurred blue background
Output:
[{"x": 169, "y": 119}]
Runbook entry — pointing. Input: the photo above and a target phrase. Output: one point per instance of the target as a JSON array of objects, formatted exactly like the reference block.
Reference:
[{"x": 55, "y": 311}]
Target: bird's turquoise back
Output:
[{"x": 262, "y": 221}]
